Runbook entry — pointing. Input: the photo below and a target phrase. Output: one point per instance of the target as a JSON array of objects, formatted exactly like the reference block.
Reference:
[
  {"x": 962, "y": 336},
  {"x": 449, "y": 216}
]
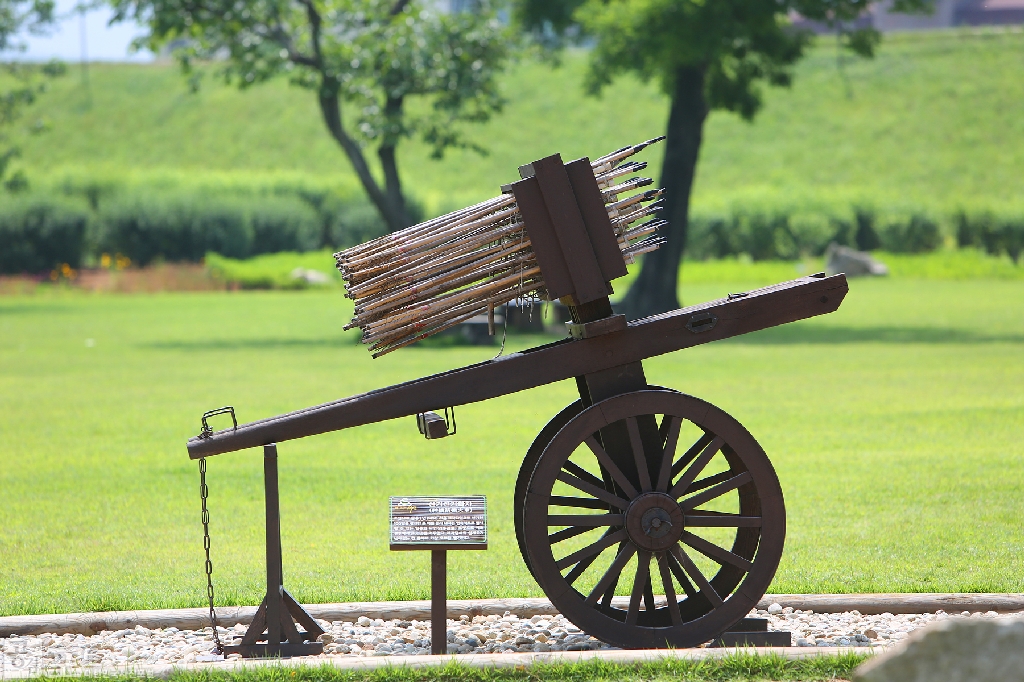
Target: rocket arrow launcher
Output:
[{"x": 649, "y": 517}]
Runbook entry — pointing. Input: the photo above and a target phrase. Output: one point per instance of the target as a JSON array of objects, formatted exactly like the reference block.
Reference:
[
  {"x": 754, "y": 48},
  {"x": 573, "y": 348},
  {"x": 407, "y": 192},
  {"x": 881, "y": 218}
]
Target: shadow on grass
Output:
[
  {"x": 348, "y": 340},
  {"x": 251, "y": 344},
  {"x": 34, "y": 308},
  {"x": 821, "y": 334},
  {"x": 791, "y": 334}
]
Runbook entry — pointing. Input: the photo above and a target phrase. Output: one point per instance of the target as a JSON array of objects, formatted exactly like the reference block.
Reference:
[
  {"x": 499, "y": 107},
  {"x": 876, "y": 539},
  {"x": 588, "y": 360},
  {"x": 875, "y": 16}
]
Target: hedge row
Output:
[
  {"x": 36, "y": 235},
  {"x": 39, "y": 233},
  {"x": 781, "y": 236}
]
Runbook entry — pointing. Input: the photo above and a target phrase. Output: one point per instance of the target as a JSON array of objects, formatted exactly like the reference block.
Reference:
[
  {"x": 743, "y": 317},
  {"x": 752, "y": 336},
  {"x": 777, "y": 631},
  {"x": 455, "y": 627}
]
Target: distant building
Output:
[
  {"x": 452, "y": 6},
  {"x": 947, "y": 14},
  {"x": 982, "y": 12}
]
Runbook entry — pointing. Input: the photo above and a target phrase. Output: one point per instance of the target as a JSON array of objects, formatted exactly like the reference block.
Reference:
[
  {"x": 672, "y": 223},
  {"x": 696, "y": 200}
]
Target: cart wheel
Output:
[
  {"x": 529, "y": 462},
  {"x": 613, "y": 505}
]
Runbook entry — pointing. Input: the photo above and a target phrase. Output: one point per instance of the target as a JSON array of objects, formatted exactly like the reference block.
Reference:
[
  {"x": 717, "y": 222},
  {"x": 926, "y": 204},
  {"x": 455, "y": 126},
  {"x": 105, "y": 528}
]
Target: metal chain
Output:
[{"x": 204, "y": 492}]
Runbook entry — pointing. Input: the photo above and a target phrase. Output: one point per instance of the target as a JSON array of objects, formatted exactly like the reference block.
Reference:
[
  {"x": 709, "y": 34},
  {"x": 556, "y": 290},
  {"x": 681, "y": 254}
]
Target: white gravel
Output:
[{"x": 483, "y": 634}]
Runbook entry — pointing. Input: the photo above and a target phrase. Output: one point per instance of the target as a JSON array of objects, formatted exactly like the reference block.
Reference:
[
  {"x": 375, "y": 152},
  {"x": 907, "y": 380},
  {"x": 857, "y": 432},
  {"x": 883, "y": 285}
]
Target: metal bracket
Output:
[
  {"x": 207, "y": 431},
  {"x": 433, "y": 426},
  {"x": 702, "y": 322},
  {"x": 588, "y": 330}
]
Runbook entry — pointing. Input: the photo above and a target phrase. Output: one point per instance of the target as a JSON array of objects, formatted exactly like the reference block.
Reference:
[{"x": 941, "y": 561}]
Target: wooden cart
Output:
[{"x": 631, "y": 475}]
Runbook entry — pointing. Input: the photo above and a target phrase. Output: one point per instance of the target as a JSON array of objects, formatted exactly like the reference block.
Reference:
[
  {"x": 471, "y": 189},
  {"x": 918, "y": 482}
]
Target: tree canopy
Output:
[
  {"x": 373, "y": 56},
  {"x": 705, "y": 55},
  {"x": 17, "y": 18}
]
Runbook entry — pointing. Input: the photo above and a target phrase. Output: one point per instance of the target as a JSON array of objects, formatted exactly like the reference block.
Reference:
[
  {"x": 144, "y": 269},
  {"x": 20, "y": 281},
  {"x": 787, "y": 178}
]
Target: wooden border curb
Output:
[
  {"x": 196, "y": 619},
  {"x": 516, "y": 660}
]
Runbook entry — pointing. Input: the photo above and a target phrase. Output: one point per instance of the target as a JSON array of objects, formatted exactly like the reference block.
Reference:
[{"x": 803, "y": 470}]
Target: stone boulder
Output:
[
  {"x": 851, "y": 262},
  {"x": 953, "y": 650}
]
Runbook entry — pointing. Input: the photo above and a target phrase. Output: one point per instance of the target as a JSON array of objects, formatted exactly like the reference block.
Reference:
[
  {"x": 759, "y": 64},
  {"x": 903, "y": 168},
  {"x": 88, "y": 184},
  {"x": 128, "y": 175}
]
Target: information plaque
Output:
[{"x": 439, "y": 522}]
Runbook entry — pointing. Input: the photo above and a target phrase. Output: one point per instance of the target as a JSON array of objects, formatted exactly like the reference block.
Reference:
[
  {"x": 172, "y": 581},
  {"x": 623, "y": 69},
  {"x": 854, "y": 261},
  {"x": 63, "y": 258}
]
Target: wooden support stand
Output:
[
  {"x": 275, "y": 620},
  {"x": 752, "y": 632}
]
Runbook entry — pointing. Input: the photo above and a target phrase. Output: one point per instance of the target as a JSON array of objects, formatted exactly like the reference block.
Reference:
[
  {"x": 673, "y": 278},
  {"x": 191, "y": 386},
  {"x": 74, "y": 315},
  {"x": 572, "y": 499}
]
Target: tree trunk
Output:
[
  {"x": 654, "y": 290},
  {"x": 392, "y": 211},
  {"x": 388, "y": 162}
]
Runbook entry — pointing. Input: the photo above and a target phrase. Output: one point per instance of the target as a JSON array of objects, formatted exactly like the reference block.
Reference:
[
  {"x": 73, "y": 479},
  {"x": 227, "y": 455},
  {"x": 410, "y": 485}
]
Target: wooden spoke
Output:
[
  {"x": 669, "y": 437},
  {"x": 610, "y": 467},
  {"x": 582, "y": 502},
  {"x": 643, "y": 576},
  {"x": 714, "y": 520},
  {"x": 597, "y": 491},
  {"x": 708, "y": 481},
  {"x": 690, "y": 475},
  {"x": 716, "y": 491},
  {"x": 637, "y": 445},
  {"x": 612, "y": 573},
  {"x": 694, "y": 450},
  {"x": 567, "y": 533},
  {"x": 680, "y": 575},
  {"x": 649, "y": 594},
  {"x": 691, "y": 569},
  {"x": 609, "y": 594},
  {"x": 579, "y": 568},
  {"x": 716, "y": 553},
  {"x": 583, "y": 565},
  {"x": 590, "y": 520},
  {"x": 663, "y": 427},
  {"x": 579, "y": 472},
  {"x": 592, "y": 550},
  {"x": 670, "y": 589}
]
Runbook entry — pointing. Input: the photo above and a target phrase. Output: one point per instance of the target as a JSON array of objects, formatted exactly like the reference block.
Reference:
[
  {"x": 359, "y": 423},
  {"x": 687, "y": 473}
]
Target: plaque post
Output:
[
  {"x": 438, "y": 524},
  {"x": 438, "y": 601}
]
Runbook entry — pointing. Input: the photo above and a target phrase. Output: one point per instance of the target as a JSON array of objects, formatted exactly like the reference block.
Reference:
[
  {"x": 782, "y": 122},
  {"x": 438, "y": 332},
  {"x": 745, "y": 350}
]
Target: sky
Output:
[{"x": 102, "y": 42}]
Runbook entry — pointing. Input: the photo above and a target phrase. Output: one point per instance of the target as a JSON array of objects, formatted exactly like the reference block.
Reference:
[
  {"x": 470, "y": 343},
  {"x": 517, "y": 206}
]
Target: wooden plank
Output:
[
  {"x": 595, "y": 219},
  {"x": 566, "y": 359},
  {"x": 588, "y": 282},
  {"x": 541, "y": 232}
]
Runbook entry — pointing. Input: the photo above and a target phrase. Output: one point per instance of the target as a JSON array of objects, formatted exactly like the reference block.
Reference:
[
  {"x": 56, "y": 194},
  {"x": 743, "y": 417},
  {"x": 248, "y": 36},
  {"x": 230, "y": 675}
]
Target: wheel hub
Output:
[{"x": 654, "y": 522}]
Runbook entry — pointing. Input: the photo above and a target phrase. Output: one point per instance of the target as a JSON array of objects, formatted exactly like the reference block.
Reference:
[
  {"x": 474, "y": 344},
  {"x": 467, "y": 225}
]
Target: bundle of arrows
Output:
[{"x": 424, "y": 279}]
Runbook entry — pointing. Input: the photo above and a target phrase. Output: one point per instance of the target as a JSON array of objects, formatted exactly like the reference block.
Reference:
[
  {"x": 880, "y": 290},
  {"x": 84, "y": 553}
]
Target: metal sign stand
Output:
[
  {"x": 277, "y": 616},
  {"x": 438, "y": 524}
]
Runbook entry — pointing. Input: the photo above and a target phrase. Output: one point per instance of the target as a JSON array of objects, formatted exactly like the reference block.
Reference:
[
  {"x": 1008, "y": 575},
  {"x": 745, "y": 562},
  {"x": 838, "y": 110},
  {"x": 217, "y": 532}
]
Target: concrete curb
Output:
[
  {"x": 517, "y": 660},
  {"x": 196, "y": 619}
]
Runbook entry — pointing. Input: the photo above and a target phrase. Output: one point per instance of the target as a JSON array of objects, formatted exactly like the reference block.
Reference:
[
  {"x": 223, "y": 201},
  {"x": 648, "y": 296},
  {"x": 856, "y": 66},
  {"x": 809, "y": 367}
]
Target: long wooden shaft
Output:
[
  {"x": 425, "y": 288},
  {"x": 430, "y": 262},
  {"x": 459, "y": 296},
  {"x": 786, "y": 302}
]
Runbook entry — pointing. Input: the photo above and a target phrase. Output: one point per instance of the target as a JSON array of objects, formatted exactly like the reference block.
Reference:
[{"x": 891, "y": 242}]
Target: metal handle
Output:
[
  {"x": 702, "y": 322},
  {"x": 207, "y": 431}
]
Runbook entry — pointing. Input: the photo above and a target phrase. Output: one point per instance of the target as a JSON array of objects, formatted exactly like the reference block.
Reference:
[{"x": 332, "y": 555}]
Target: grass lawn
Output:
[
  {"x": 932, "y": 121},
  {"x": 895, "y": 426},
  {"x": 738, "y": 667}
]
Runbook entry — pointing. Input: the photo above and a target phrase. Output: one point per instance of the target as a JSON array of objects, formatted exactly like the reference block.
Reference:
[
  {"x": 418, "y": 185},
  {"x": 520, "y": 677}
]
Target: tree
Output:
[
  {"x": 376, "y": 56},
  {"x": 705, "y": 55},
  {"x": 27, "y": 80}
]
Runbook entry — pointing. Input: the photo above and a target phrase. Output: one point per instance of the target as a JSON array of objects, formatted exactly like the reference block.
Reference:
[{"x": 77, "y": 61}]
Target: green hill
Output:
[{"x": 934, "y": 120}]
